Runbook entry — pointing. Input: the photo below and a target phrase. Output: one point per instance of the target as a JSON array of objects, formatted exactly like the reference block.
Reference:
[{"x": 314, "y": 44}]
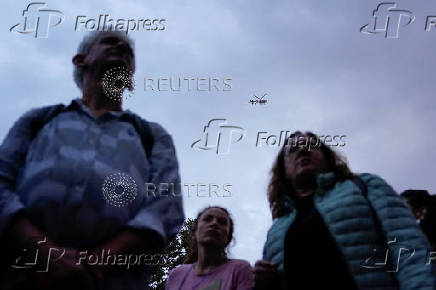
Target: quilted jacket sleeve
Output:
[{"x": 398, "y": 223}]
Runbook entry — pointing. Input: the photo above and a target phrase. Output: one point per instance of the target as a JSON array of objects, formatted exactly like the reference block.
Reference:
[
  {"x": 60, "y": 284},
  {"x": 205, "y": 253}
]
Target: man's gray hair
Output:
[{"x": 86, "y": 44}]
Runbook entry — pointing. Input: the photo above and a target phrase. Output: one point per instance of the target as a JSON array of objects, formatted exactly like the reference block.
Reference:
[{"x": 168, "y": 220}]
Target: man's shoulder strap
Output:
[
  {"x": 43, "y": 116},
  {"x": 144, "y": 131}
]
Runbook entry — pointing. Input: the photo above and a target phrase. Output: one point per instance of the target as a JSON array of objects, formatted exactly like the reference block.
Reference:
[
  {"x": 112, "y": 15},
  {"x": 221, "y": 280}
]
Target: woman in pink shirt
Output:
[{"x": 207, "y": 266}]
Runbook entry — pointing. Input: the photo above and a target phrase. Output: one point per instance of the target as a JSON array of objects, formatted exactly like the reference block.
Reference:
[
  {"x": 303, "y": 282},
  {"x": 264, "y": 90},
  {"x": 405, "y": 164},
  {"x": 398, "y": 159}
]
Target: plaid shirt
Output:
[{"x": 58, "y": 178}]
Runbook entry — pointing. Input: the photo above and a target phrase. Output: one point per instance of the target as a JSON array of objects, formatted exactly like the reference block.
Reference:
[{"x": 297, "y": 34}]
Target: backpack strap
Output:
[
  {"x": 45, "y": 115},
  {"x": 378, "y": 227},
  {"x": 361, "y": 185},
  {"x": 144, "y": 131}
]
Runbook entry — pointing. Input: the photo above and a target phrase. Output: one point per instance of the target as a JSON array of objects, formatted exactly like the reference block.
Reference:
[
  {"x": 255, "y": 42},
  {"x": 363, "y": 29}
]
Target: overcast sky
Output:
[{"x": 319, "y": 72}]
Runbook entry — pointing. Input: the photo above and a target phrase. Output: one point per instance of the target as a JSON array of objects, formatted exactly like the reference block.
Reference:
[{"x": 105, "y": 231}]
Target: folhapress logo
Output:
[
  {"x": 38, "y": 20},
  {"x": 388, "y": 20},
  {"x": 390, "y": 260},
  {"x": 219, "y": 136}
]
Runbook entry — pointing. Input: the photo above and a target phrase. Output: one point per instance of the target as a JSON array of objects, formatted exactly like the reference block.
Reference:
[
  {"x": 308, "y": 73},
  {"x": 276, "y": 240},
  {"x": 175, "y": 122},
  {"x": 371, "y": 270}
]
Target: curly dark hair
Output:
[
  {"x": 192, "y": 255},
  {"x": 279, "y": 185},
  {"x": 417, "y": 198}
]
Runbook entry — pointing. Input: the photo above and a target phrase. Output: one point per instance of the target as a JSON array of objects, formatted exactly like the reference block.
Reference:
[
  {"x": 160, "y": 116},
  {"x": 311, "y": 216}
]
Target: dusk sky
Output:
[{"x": 315, "y": 68}]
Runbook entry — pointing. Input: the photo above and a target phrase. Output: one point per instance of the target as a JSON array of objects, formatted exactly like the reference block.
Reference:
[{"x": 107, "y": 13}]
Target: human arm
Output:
[
  {"x": 16, "y": 229},
  {"x": 266, "y": 275},
  {"x": 12, "y": 157},
  {"x": 398, "y": 223},
  {"x": 18, "y": 234}
]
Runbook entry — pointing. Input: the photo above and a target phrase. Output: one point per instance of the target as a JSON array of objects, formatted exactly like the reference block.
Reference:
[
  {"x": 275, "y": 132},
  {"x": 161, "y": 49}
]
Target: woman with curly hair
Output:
[
  {"x": 207, "y": 265},
  {"x": 328, "y": 221}
]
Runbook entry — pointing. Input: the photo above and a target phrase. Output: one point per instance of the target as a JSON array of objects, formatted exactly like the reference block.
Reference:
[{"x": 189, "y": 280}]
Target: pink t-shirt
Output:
[{"x": 232, "y": 275}]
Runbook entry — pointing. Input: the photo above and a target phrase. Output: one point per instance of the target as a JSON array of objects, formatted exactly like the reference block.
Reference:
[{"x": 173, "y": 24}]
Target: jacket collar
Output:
[{"x": 325, "y": 182}]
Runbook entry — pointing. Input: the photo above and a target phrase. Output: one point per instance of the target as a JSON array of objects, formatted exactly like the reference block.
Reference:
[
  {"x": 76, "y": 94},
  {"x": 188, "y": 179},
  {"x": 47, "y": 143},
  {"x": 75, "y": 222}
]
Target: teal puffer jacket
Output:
[{"x": 347, "y": 214}]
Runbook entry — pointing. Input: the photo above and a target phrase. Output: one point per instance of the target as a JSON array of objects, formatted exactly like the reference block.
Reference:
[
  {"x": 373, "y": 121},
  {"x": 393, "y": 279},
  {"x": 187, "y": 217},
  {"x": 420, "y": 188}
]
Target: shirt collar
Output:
[{"x": 78, "y": 105}]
